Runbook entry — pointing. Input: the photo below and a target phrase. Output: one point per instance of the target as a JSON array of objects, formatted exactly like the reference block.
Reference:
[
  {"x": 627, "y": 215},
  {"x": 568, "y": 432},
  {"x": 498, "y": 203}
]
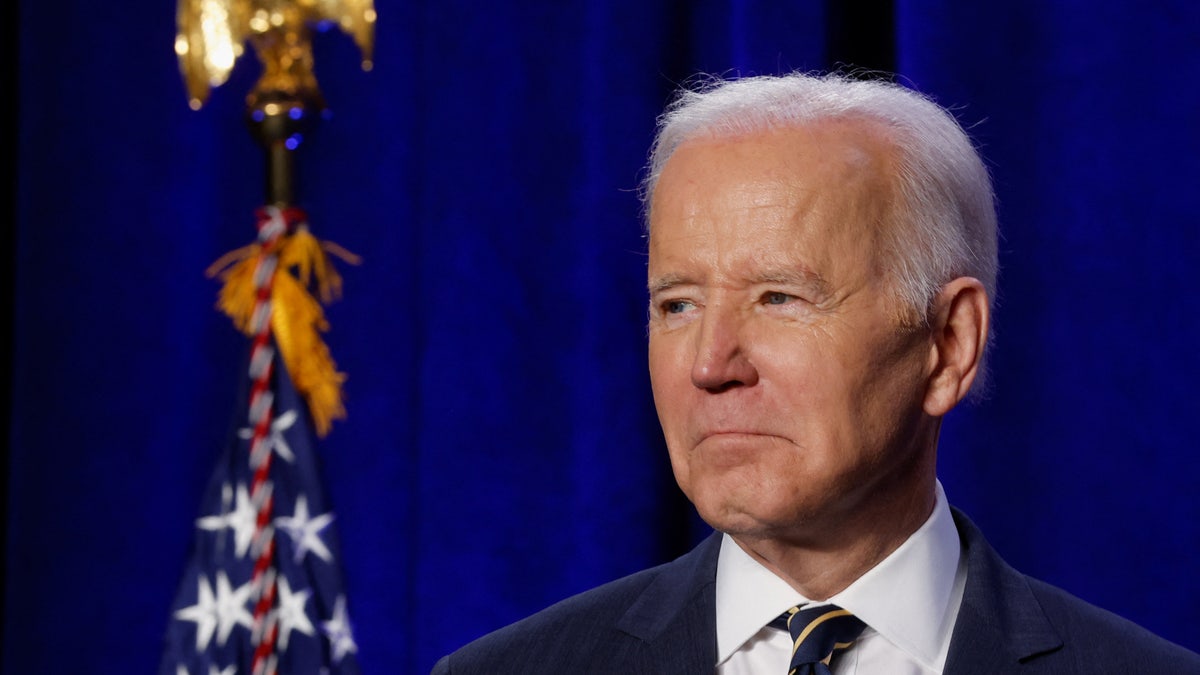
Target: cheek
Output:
[
  {"x": 885, "y": 397},
  {"x": 802, "y": 369},
  {"x": 670, "y": 383},
  {"x": 655, "y": 362},
  {"x": 670, "y": 374}
]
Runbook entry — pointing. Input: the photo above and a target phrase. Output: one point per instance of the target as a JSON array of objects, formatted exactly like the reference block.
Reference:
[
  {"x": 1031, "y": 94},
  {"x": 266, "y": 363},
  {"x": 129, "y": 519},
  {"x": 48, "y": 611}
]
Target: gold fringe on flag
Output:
[{"x": 297, "y": 318}]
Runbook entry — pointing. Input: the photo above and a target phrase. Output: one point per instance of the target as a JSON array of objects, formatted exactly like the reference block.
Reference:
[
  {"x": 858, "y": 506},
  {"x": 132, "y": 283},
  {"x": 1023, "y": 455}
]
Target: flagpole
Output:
[
  {"x": 268, "y": 290},
  {"x": 280, "y": 128},
  {"x": 282, "y": 106}
]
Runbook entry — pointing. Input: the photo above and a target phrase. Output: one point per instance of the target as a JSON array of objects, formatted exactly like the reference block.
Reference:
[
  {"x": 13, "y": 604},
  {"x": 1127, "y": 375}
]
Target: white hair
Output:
[{"x": 943, "y": 224}]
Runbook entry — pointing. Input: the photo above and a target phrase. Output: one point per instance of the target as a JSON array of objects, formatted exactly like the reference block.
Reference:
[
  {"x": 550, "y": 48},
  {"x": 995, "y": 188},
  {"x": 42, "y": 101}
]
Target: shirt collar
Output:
[
  {"x": 910, "y": 598},
  {"x": 749, "y": 596}
]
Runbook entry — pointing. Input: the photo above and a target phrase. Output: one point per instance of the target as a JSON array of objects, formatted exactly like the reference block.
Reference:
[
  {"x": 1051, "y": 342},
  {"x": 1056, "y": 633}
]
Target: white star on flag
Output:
[
  {"x": 231, "y": 607},
  {"x": 306, "y": 532},
  {"x": 291, "y": 612},
  {"x": 204, "y": 613},
  {"x": 275, "y": 439},
  {"x": 222, "y": 612},
  {"x": 242, "y": 520},
  {"x": 337, "y": 628}
]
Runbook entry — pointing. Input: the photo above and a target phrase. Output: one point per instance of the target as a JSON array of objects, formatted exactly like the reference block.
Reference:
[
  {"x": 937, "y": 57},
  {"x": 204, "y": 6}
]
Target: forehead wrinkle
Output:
[
  {"x": 699, "y": 262},
  {"x": 791, "y": 274},
  {"x": 826, "y": 197}
]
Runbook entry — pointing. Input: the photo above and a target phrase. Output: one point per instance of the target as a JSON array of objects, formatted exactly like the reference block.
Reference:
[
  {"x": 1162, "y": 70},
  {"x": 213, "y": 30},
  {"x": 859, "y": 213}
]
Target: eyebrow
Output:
[
  {"x": 795, "y": 277},
  {"x": 665, "y": 283}
]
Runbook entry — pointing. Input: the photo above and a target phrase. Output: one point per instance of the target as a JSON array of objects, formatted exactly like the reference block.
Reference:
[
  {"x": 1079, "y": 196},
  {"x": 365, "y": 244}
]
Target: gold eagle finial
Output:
[{"x": 212, "y": 34}]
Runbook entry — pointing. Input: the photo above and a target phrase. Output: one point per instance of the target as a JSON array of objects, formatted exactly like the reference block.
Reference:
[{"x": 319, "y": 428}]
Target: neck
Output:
[{"x": 822, "y": 565}]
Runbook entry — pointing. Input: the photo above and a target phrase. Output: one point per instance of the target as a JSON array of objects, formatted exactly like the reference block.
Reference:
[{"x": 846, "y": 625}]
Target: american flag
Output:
[{"x": 264, "y": 580}]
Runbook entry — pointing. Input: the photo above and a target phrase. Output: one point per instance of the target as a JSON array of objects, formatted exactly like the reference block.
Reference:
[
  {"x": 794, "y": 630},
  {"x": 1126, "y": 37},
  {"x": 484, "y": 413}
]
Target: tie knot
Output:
[{"x": 818, "y": 633}]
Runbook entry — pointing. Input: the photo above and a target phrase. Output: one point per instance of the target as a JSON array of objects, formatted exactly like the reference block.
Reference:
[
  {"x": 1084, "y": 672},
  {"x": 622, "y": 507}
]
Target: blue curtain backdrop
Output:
[{"x": 501, "y": 450}]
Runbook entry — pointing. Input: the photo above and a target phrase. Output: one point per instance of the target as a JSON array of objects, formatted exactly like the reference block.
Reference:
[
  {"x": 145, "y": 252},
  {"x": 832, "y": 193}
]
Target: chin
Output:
[{"x": 749, "y": 511}]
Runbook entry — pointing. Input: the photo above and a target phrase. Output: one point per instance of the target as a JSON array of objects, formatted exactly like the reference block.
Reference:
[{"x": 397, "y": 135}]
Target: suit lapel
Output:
[
  {"x": 1000, "y": 624},
  {"x": 675, "y": 616}
]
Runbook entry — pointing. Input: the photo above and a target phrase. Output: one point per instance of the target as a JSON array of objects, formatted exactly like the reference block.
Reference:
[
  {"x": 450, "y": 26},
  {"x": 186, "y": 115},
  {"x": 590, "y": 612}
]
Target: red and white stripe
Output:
[{"x": 274, "y": 224}]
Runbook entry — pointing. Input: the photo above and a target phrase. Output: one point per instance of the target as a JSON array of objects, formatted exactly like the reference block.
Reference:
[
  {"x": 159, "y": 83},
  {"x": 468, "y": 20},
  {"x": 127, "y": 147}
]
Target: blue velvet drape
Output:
[{"x": 502, "y": 450}]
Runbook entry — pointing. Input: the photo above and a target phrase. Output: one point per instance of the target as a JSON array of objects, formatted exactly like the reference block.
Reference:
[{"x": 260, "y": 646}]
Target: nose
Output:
[{"x": 722, "y": 361}]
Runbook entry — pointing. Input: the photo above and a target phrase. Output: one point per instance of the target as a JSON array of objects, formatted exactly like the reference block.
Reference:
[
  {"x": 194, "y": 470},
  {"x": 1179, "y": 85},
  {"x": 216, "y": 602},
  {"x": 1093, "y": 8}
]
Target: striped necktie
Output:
[{"x": 817, "y": 634}]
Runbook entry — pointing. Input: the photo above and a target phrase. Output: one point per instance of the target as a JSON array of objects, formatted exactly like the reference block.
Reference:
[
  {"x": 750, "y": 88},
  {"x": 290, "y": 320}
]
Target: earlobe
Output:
[{"x": 959, "y": 328}]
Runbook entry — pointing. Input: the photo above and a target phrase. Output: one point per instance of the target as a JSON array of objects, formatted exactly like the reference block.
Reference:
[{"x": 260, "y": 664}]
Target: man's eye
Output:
[
  {"x": 775, "y": 298},
  {"x": 676, "y": 306}
]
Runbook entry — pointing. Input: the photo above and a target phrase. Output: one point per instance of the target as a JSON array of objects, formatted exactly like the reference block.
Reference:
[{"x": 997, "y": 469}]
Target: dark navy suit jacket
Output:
[{"x": 663, "y": 621}]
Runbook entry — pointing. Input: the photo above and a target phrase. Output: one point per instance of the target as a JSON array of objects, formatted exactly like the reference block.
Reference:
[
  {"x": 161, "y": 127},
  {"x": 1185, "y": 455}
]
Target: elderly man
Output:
[{"x": 822, "y": 262}]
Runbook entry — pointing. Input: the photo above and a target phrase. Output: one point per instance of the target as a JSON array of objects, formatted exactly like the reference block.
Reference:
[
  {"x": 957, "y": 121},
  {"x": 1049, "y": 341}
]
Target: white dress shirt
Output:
[{"x": 909, "y": 602}]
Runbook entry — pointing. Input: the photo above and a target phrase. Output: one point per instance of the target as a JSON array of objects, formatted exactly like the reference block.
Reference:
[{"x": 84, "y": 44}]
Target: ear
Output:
[{"x": 959, "y": 327}]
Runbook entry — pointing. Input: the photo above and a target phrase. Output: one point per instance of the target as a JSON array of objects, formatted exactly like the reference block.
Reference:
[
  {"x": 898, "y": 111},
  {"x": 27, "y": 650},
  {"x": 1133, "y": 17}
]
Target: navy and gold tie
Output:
[{"x": 817, "y": 634}]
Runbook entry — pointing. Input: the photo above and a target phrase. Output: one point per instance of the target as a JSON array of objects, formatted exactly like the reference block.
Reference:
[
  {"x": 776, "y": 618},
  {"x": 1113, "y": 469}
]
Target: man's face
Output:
[{"x": 789, "y": 390}]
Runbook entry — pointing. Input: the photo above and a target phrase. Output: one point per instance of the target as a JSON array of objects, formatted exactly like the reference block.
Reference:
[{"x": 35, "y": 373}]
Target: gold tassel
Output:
[
  {"x": 297, "y": 318},
  {"x": 236, "y": 270}
]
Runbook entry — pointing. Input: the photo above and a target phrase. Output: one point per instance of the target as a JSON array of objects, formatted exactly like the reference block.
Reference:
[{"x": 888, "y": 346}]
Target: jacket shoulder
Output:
[
  {"x": 1010, "y": 622},
  {"x": 614, "y": 622},
  {"x": 1093, "y": 636}
]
